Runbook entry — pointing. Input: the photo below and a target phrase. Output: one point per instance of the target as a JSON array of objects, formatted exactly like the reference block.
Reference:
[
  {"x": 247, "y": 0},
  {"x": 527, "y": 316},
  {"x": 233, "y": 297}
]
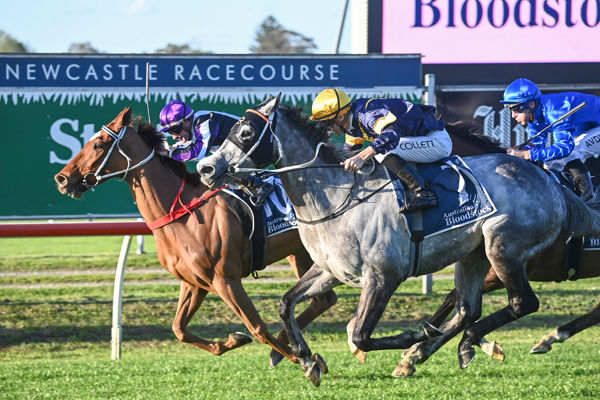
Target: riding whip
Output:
[
  {"x": 570, "y": 112},
  {"x": 148, "y": 91}
]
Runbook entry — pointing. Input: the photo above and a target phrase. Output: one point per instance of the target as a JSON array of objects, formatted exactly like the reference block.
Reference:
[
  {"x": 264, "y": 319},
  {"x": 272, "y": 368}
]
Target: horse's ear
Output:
[
  {"x": 268, "y": 106},
  {"x": 123, "y": 119},
  {"x": 264, "y": 103}
]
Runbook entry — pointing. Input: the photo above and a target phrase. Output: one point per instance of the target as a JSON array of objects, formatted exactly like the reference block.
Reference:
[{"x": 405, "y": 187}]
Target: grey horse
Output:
[{"x": 350, "y": 225}]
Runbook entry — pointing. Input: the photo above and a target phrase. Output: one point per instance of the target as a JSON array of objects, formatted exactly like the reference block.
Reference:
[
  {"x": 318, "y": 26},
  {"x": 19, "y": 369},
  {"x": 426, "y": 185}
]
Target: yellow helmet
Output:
[{"x": 328, "y": 104}]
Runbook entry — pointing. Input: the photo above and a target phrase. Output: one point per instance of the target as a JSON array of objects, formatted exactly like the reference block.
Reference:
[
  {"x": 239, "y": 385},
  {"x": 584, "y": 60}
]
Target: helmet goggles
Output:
[{"x": 517, "y": 107}]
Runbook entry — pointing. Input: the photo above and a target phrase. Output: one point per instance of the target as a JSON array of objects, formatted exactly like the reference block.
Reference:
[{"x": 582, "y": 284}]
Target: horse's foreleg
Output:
[
  {"x": 190, "y": 299},
  {"x": 375, "y": 295},
  {"x": 233, "y": 293},
  {"x": 313, "y": 283},
  {"x": 318, "y": 304},
  {"x": 564, "y": 332}
]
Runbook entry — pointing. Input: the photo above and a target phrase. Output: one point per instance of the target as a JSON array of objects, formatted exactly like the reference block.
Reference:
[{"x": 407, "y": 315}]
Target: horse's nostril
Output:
[
  {"x": 207, "y": 170},
  {"x": 60, "y": 180}
]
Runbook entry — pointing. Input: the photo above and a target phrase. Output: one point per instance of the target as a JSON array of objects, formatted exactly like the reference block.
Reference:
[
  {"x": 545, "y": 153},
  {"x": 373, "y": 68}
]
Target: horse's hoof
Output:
[
  {"x": 493, "y": 349},
  {"x": 321, "y": 361},
  {"x": 360, "y": 355},
  {"x": 314, "y": 374},
  {"x": 541, "y": 348},
  {"x": 403, "y": 370},
  {"x": 240, "y": 338},
  {"x": 275, "y": 358},
  {"x": 465, "y": 357}
]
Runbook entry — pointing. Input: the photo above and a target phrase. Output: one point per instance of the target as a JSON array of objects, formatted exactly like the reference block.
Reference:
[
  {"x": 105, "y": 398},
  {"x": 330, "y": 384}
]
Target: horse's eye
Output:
[{"x": 97, "y": 146}]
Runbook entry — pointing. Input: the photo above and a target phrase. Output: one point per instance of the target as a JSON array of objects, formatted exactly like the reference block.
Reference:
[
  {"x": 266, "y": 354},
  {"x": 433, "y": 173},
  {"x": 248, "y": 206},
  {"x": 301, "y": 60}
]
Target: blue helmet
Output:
[{"x": 521, "y": 91}]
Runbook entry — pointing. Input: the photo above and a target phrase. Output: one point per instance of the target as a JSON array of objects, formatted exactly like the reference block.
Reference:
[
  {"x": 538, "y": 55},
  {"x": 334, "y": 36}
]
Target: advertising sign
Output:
[
  {"x": 490, "y": 31},
  {"x": 50, "y": 105},
  {"x": 483, "y": 110}
]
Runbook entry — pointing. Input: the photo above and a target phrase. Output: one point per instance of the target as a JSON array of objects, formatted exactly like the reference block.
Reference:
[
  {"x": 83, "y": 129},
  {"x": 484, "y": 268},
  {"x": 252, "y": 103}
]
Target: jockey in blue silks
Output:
[
  {"x": 400, "y": 130},
  {"x": 575, "y": 138},
  {"x": 198, "y": 133}
]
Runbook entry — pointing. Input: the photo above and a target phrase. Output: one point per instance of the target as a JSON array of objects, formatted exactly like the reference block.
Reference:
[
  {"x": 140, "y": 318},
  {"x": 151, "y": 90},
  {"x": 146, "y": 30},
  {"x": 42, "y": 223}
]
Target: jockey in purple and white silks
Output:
[
  {"x": 198, "y": 133},
  {"x": 400, "y": 130},
  {"x": 575, "y": 139}
]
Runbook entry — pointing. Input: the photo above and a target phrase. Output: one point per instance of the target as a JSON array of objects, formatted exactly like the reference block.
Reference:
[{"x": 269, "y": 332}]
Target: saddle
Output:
[
  {"x": 261, "y": 221},
  {"x": 254, "y": 228}
]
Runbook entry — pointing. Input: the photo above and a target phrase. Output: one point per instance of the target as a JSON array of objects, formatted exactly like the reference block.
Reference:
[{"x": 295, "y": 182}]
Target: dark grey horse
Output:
[{"x": 350, "y": 225}]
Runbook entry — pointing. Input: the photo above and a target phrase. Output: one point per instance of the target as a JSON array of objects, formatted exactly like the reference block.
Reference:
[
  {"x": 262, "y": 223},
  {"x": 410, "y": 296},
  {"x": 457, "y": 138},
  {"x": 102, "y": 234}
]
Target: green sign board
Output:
[{"x": 50, "y": 106}]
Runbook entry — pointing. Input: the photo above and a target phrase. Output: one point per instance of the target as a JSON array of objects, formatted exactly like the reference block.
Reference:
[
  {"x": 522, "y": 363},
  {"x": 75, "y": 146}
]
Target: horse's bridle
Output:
[
  {"x": 264, "y": 141},
  {"x": 97, "y": 176}
]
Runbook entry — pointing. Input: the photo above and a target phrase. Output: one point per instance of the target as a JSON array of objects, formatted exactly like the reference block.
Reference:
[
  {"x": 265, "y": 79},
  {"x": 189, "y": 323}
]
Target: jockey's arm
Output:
[
  {"x": 186, "y": 151},
  {"x": 563, "y": 146}
]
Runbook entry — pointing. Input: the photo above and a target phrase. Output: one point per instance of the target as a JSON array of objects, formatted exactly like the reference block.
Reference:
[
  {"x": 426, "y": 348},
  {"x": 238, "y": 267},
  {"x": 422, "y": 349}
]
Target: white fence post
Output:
[
  {"x": 140, "y": 240},
  {"x": 428, "y": 99},
  {"x": 118, "y": 298}
]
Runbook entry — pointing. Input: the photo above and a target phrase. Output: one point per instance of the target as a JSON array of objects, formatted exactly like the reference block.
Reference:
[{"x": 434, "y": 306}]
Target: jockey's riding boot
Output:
[
  {"x": 581, "y": 178},
  {"x": 258, "y": 190},
  {"x": 418, "y": 194}
]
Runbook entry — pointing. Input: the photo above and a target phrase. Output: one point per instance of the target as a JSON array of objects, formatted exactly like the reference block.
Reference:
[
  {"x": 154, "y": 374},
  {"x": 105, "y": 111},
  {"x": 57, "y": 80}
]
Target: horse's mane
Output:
[
  {"x": 154, "y": 139},
  {"x": 315, "y": 132},
  {"x": 471, "y": 132}
]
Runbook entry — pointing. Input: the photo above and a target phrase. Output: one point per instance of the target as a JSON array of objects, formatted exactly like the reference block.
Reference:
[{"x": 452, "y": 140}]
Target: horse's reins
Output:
[
  {"x": 343, "y": 210},
  {"x": 306, "y": 165},
  {"x": 117, "y": 137}
]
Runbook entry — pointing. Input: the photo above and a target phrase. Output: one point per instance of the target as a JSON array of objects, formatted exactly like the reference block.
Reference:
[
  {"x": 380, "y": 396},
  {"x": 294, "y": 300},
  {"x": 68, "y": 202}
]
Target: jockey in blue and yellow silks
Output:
[
  {"x": 575, "y": 138},
  {"x": 198, "y": 133},
  {"x": 401, "y": 131}
]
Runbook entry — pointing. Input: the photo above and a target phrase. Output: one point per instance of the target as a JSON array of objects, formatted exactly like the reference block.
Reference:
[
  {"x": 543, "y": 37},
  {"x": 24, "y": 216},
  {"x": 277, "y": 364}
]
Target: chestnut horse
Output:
[
  {"x": 545, "y": 267},
  {"x": 208, "y": 251}
]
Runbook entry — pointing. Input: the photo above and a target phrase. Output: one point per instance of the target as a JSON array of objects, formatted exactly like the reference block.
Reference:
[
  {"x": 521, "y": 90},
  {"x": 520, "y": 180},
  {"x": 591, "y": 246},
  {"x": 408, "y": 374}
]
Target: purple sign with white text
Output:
[{"x": 493, "y": 31}]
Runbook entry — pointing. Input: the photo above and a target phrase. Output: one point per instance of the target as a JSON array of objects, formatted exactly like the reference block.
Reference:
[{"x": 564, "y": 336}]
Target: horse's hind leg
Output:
[
  {"x": 564, "y": 332},
  {"x": 190, "y": 299},
  {"x": 301, "y": 263},
  {"x": 522, "y": 301},
  {"x": 491, "y": 283},
  {"x": 469, "y": 277},
  {"x": 313, "y": 283}
]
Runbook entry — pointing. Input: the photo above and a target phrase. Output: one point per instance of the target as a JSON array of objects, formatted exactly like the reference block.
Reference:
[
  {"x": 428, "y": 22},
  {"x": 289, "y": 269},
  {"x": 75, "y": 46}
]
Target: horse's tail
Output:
[{"x": 583, "y": 218}]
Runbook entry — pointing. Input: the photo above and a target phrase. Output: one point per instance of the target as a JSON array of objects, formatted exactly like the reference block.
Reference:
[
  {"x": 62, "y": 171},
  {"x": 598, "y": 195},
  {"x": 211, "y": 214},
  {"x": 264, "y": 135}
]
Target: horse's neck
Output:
[{"x": 154, "y": 187}]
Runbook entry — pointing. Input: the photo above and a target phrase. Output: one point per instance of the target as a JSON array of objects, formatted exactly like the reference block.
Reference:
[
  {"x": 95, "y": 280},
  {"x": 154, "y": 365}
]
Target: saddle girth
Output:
[{"x": 573, "y": 256}]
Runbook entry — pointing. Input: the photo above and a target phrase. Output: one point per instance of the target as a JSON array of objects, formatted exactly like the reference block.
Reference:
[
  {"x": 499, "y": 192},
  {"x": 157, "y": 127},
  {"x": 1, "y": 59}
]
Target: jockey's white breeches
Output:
[
  {"x": 422, "y": 149},
  {"x": 586, "y": 145}
]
